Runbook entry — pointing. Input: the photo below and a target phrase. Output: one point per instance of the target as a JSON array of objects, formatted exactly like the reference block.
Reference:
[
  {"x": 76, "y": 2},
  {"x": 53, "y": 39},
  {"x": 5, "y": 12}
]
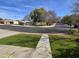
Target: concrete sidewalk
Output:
[
  {"x": 8, "y": 51},
  {"x": 6, "y": 33},
  {"x": 43, "y": 49}
]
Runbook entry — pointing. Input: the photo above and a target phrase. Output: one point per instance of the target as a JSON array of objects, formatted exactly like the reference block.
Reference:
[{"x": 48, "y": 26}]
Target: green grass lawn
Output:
[
  {"x": 64, "y": 46},
  {"x": 24, "y": 40}
]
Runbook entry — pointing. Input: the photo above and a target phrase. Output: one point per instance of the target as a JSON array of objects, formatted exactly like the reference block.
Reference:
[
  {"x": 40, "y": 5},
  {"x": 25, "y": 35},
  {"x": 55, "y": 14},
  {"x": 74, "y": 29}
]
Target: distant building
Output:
[
  {"x": 15, "y": 22},
  {"x": 25, "y": 22},
  {"x": 8, "y": 22},
  {"x": 4, "y": 22}
]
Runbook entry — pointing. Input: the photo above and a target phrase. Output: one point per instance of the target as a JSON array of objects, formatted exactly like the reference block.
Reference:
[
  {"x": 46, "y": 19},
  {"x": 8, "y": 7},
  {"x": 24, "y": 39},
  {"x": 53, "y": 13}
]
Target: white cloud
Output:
[
  {"x": 28, "y": 6},
  {"x": 10, "y": 15},
  {"x": 9, "y": 8}
]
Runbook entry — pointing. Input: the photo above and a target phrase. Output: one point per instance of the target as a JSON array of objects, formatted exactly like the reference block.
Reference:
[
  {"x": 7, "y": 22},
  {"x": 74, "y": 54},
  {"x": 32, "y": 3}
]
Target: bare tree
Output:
[
  {"x": 50, "y": 17},
  {"x": 76, "y": 7},
  {"x": 1, "y": 19}
]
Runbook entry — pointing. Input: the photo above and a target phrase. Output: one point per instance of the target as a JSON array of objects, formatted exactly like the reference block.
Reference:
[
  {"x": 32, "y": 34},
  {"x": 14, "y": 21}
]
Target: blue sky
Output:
[{"x": 17, "y": 9}]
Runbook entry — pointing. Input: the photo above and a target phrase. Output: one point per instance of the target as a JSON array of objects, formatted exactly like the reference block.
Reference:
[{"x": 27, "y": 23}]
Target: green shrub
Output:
[{"x": 73, "y": 31}]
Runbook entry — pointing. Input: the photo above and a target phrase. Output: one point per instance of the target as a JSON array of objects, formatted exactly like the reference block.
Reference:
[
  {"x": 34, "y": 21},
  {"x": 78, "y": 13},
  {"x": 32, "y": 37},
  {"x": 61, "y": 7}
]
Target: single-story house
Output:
[
  {"x": 25, "y": 22},
  {"x": 9, "y": 22},
  {"x": 16, "y": 22},
  {"x": 4, "y": 22}
]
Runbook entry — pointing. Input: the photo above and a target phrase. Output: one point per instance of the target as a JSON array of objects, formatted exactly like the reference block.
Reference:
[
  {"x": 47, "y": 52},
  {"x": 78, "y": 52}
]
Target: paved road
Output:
[
  {"x": 62, "y": 26},
  {"x": 57, "y": 29}
]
